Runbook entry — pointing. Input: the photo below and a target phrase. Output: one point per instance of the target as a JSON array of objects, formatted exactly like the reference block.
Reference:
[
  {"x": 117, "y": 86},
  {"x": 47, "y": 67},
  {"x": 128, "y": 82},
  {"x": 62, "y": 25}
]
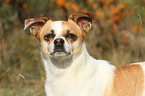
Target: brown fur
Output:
[{"x": 129, "y": 81}]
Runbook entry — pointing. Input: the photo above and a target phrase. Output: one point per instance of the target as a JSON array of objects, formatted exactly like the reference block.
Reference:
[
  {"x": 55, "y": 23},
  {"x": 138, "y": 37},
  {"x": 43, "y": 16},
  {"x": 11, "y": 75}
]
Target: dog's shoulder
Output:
[{"x": 102, "y": 64}]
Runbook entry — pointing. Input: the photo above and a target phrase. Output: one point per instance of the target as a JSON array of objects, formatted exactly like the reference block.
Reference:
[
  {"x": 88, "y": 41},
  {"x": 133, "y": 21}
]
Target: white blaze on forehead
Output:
[{"x": 57, "y": 27}]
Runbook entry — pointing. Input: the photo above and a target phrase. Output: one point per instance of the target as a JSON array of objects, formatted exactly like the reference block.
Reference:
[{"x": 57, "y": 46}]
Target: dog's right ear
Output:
[
  {"x": 84, "y": 20},
  {"x": 35, "y": 25}
]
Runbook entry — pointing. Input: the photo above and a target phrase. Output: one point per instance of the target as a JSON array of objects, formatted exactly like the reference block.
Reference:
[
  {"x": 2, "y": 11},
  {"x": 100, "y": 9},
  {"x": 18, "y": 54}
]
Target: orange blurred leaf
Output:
[
  {"x": 84, "y": 10},
  {"x": 115, "y": 19},
  {"x": 121, "y": 5},
  {"x": 73, "y": 6},
  {"x": 95, "y": 5},
  {"x": 8, "y": 1},
  {"x": 137, "y": 28},
  {"x": 60, "y": 3},
  {"x": 99, "y": 14},
  {"x": 50, "y": 5},
  {"x": 124, "y": 39},
  {"x": 111, "y": 1},
  {"x": 24, "y": 6},
  {"x": 113, "y": 10},
  {"x": 114, "y": 28},
  {"x": 104, "y": 3},
  {"x": 130, "y": 12},
  {"x": 89, "y": 2}
]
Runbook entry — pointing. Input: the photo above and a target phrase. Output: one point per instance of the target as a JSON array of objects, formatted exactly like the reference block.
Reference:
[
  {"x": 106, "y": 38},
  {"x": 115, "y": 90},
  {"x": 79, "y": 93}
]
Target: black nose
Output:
[
  {"x": 58, "y": 42},
  {"x": 59, "y": 45}
]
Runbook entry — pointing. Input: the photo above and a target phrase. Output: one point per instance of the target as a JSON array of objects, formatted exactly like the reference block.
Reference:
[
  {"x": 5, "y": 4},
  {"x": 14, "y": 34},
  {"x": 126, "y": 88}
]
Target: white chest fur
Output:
[{"x": 84, "y": 77}]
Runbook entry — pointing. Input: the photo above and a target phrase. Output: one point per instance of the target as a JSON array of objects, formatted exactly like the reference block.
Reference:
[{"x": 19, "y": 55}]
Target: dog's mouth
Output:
[
  {"x": 59, "y": 49},
  {"x": 59, "y": 53}
]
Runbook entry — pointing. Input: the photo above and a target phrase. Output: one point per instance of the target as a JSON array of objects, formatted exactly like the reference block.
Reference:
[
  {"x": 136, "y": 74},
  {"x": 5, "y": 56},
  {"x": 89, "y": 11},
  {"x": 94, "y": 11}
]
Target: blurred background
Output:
[{"x": 118, "y": 35}]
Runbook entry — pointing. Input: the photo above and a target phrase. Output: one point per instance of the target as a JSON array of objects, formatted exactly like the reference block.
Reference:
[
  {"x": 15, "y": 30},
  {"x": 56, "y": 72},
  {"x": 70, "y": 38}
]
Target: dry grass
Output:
[{"x": 21, "y": 71}]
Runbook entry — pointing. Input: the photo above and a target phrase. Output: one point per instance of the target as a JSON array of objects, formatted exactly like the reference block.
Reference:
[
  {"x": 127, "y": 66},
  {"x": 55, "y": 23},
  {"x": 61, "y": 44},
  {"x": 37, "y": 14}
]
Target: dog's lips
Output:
[
  {"x": 60, "y": 54},
  {"x": 59, "y": 50}
]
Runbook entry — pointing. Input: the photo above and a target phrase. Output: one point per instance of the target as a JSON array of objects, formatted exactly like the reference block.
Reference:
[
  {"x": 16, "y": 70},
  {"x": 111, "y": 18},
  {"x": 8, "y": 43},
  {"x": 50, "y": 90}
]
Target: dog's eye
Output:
[
  {"x": 52, "y": 31},
  {"x": 71, "y": 36},
  {"x": 48, "y": 37}
]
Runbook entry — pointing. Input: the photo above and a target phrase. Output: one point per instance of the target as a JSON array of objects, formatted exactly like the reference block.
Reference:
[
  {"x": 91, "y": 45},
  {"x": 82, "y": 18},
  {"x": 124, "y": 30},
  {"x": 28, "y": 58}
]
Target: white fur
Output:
[
  {"x": 84, "y": 77},
  {"x": 57, "y": 27}
]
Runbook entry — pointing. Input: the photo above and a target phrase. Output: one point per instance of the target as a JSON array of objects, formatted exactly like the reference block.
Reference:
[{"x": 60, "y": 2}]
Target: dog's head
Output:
[{"x": 61, "y": 39}]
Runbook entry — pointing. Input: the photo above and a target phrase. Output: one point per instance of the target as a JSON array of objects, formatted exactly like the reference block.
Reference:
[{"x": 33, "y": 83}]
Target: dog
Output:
[{"x": 71, "y": 71}]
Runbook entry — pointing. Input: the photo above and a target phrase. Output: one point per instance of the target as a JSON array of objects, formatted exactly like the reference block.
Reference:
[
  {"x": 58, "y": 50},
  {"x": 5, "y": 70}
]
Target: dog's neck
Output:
[{"x": 56, "y": 67}]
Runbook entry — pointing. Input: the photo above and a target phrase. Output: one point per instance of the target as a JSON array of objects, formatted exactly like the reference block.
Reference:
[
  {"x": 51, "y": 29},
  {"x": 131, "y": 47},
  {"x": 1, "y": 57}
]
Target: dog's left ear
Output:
[
  {"x": 84, "y": 20},
  {"x": 35, "y": 25}
]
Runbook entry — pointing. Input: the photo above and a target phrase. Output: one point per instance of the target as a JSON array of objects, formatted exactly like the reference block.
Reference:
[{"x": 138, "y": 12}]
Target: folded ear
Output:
[
  {"x": 35, "y": 25},
  {"x": 84, "y": 20}
]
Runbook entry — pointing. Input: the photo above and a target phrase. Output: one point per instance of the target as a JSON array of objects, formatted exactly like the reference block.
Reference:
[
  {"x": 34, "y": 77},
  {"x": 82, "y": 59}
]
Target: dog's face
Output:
[{"x": 61, "y": 39}]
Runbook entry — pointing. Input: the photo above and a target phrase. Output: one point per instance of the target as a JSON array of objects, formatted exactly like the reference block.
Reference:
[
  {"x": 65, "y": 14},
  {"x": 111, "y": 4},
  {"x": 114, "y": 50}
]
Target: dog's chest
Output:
[
  {"x": 89, "y": 82},
  {"x": 71, "y": 87}
]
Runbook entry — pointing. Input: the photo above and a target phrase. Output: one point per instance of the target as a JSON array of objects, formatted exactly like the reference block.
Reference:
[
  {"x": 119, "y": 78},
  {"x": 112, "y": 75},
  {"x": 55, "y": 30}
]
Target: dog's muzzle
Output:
[
  {"x": 60, "y": 49},
  {"x": 59, "y": 45}
]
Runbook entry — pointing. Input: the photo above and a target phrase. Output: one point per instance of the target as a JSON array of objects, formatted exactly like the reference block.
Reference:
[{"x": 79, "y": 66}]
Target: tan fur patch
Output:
[
  {"x": 129, "y": 81},
  {"x": 71, "y": 25},
  {"x": 74, "y": 29},
  {"x": 45, "y": 28}
]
